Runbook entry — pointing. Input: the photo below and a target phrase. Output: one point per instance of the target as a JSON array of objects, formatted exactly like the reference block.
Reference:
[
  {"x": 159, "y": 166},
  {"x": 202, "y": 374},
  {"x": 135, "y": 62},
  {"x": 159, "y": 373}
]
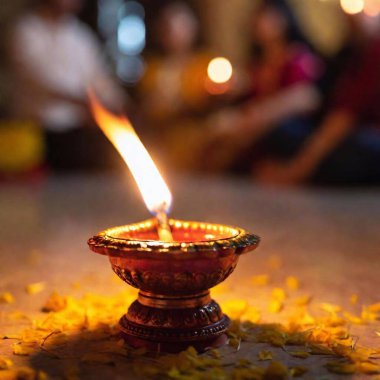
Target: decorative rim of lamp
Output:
[{"x": 235, "y": 240}]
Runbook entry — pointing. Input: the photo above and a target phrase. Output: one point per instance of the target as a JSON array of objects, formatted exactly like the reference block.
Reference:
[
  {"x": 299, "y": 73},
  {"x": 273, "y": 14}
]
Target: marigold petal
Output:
[
  {"x": 276, "y": 371},
  {"x": 292, "y": 283},
  {"x": 341, "y": 368},
  {"x": 5, "y": 363},
  {"x": 260, "y": 280},
  {"x": 6, "y": 297},
  {"x": 299, "y": 354},
  {"x": 265, "y": 355},
  {"x": 35, "y": 288}
]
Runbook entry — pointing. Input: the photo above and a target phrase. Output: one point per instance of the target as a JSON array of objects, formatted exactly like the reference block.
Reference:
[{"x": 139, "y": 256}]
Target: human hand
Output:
[
  {"x": 288, "y": 174},
  {"x": 225, "y": 122}
]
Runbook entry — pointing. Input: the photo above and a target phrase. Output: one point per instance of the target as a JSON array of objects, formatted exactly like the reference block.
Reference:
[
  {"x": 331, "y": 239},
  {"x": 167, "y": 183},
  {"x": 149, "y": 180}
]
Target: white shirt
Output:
[{"x": 62, "y": 56}]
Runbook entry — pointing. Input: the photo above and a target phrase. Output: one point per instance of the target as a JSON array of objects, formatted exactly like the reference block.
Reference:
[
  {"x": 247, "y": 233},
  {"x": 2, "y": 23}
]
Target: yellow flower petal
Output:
[
  {"x": 279, "y": 294},
  {"x": 341, "y": 368},
  {"x": 368, "y": 315},
  {"x": 303, "y": 300},
  {"x": 275, "y": 306},
  {"x": 221, "y": 288},
  {"x": 298, "y": 338},
  {"x": 35, "y": 288},
  {"x": 22, "y": 350},
  {"x": 297, "y": 371},
  {"x": 174, "y": 373},
  {"x": 235, "y": 343},
  {"x": 317, "y": 349},
  {"x": 5, "y": 363},
  {"x": 306, "y": 319},
  {"x": 244, "y": 374},
  {"x": 265, "y": 355},
  {"x": 375, "y": 308},
  {"x": 55, "y": 302},
  {"x": 243, "y": 363},
  {"x": 272, "y": 335},
  {"x": 235, "y": 308},
  {"x": 276, "y": 371},
  {"x": 6, "y": 297},
  {"x": 330, "y": 308},
  {"x": 260, "y": 280},
  {"x": 252, "y": 314},
  {"x": 368, "y": 368},
  {"x": 352, "y": 318},
  {"x": 24, "y": 373},
  {"x": 299, "y": 354},
  {"x": 292, "y": 283},
  {"x": 354, "y": 299}
]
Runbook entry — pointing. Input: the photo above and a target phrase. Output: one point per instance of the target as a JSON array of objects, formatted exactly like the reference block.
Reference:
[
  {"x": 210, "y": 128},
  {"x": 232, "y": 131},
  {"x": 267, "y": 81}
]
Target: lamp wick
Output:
[{"x": 163, "y": 228}]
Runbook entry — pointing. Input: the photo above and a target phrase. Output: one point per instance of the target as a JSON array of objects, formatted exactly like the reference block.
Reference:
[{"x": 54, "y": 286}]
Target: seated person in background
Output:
[
  {"x": 345, "y": 148},
  {"x": 174, "y": 83},
  {"x": 282, "y": 74},
  {"x": 53, "y": 59}
]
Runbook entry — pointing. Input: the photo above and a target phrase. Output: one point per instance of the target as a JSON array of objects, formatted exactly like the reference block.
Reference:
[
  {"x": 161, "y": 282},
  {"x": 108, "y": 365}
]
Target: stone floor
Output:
[{"x": 328, "y": 239}]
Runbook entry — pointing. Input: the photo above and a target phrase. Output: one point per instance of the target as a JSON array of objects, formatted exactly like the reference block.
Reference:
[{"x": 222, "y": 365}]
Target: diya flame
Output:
[{"x": 120, "y": 132}]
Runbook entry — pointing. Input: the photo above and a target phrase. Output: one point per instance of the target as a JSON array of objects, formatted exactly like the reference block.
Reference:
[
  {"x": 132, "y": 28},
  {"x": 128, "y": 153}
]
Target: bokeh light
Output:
[
  {"x": 372, "y": 7},
  {"x": 220, "y": 70},
  {"x": 130, "y": 69},
  {"x": 352, "y": 6},
  {"x": 131, "y": 35}
]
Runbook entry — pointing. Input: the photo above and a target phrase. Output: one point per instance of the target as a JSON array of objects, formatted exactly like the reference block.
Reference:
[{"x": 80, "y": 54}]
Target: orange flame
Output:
[{"x": 120, "y": 132}]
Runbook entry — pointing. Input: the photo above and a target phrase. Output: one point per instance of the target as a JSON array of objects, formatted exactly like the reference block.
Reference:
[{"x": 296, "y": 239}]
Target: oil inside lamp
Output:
[{"x": 174, "y": 308}]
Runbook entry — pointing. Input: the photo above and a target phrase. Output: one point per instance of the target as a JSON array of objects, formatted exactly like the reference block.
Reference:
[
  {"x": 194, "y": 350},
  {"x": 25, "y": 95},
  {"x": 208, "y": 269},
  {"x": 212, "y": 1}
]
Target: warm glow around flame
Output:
[{"x": 120, "y": 132}]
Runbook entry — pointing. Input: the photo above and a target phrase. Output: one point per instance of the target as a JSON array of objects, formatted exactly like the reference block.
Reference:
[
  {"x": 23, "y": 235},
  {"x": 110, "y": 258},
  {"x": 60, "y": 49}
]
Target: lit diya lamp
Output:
[{"x": 173, "y": 263}]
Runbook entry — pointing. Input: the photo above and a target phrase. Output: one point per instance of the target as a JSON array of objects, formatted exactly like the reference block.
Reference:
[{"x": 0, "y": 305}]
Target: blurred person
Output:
[
  {"x": 345, "y": 147},
  {"x": 282, "y": 91},
  {"x": 53, "y": 59},
  {"x": 174, "y": 83}
]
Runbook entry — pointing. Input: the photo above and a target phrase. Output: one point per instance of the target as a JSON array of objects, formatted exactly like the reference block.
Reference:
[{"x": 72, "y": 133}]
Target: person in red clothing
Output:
[
  {"x": 281, "y": 88},
  {"x": 282, "y": 57},
  {"x": 346, "y": 146}
]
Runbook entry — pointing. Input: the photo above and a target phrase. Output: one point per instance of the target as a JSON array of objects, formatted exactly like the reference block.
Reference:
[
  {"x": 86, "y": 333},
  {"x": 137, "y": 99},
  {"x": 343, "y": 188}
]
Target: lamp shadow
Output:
[
  {"x": 101, "y": 354},
  {"x": 90, "y": 354}
]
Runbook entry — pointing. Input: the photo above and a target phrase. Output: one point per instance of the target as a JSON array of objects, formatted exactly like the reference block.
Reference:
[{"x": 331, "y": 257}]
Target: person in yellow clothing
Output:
[
  {"x": 174, "y": 82},
  {"x": 174, "y": 90}
]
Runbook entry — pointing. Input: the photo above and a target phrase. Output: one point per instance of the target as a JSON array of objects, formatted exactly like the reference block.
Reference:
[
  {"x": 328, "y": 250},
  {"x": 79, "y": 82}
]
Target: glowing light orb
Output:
[
  {"x": 219, "y": 70},
  {"x": 352, "y": 7},
  {"x": 372, "y": 8}
]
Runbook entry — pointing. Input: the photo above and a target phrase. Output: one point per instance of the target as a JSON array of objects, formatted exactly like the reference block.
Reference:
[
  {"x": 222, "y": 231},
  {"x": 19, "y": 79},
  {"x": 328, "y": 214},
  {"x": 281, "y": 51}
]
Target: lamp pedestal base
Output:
[{"x": 173, "y": 323}]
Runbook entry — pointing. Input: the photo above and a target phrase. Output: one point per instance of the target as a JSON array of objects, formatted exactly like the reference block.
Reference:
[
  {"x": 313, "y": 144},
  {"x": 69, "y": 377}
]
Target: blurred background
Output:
[{"x": 282, "y": 92}]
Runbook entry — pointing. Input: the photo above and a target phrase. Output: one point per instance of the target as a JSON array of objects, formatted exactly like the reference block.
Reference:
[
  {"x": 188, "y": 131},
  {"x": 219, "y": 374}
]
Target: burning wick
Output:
[
  {"x": 153, "y": 188},
  {"x": 163, "y": 228}
]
